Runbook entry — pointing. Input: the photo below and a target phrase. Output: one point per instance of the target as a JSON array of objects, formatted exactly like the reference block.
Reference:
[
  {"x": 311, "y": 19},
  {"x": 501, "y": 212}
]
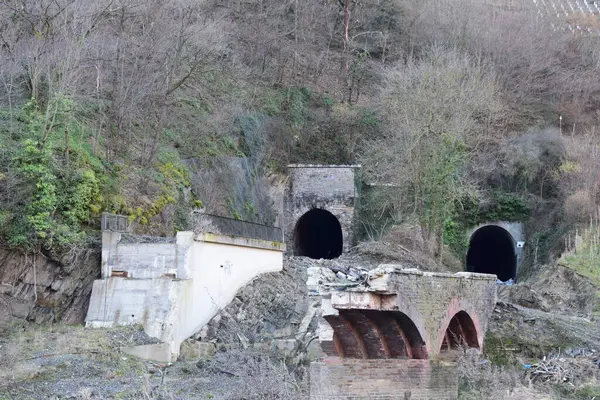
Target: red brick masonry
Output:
[
  {"x": 402, "y": 379},
  {"x": 387, "y": 338}
]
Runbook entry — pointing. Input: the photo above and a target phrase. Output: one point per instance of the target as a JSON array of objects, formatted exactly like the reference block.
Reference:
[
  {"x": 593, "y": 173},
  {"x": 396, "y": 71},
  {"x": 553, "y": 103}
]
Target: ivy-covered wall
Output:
[{"x": 472, "y": 213}]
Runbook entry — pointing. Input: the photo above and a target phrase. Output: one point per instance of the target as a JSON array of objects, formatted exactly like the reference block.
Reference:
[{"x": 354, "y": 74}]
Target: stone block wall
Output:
[
  {"x": 337, "y": 379},
  {"x": 328, "y": 187}
]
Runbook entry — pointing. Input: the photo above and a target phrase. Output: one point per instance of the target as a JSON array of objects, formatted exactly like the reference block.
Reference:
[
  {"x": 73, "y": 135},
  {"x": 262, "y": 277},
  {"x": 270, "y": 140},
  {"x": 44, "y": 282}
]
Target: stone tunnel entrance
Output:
[
  {"x": 492, "y": 251},
  {"x": 318, "y": 234}
]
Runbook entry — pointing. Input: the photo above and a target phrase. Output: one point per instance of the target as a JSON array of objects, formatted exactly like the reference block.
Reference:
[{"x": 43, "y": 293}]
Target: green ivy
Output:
[
  {"x": 501, "y": 206},
  {"x": 56, "y": 179},
  {"x": 82, "y": 200}
]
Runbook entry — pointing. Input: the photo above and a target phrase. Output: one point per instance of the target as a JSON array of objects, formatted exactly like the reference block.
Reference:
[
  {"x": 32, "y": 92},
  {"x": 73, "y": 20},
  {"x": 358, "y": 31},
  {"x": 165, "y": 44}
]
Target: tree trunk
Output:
[{"x": 346, "y": 62}]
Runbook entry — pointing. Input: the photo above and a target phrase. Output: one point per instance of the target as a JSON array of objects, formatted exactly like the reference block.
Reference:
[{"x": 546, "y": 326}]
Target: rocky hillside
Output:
[
  {"x": 539, "y": 346},
  {"x": 37, "y": 289}
]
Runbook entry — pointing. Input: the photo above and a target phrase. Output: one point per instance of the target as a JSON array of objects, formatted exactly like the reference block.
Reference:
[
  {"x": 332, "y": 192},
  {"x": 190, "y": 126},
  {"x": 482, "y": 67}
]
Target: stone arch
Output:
[
  {"x": 376, "y": 334},
  {"x": 460, "y": 331},
  {"x": 492, "y": 250},
  {"x": 318, "y": 234}
]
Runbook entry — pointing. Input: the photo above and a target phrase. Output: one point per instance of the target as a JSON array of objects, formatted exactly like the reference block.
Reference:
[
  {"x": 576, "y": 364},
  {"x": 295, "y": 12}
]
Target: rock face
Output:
[{"x": 37, "y": 289}]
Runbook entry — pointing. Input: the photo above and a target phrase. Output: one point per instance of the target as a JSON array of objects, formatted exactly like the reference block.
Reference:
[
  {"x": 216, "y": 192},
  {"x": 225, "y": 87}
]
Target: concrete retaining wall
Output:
[{"x": 173, "y": 290}]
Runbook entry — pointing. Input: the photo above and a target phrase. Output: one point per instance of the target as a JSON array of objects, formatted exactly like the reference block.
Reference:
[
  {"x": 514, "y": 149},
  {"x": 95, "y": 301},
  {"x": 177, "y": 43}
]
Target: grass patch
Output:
[
  {"x": 583, "y": 254},
  {"x": 585, "y": 264}
]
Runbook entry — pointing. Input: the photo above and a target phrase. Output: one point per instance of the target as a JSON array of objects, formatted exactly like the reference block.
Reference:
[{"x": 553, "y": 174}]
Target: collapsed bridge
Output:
[{"x": 395, "y": 332}]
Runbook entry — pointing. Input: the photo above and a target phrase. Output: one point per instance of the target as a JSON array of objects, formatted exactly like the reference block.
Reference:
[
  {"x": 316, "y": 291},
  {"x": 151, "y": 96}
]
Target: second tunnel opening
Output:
[
  {"x": 318, "y": 234},
  {"x": 492, "y": 251}
]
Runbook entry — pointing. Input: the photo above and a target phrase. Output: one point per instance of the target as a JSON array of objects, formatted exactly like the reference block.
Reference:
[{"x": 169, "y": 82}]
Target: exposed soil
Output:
[{"x": 551, "y": 317}]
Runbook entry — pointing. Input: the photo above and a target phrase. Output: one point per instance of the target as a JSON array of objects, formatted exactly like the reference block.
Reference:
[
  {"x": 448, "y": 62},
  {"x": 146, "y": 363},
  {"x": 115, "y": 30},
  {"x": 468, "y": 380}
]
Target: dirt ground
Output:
[
  {"x": 543, "y": 342},
  {"x": 71, "y": 362}
]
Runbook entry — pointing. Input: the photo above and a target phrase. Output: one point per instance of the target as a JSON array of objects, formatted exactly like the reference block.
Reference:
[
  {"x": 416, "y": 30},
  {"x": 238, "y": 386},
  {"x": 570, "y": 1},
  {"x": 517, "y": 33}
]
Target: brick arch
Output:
[
  {"x": 462, "y": 322},
  {"x": 405, "y": 306},
  {"x": 376, "y": 334},
  {"x": 461, "y": 331}
]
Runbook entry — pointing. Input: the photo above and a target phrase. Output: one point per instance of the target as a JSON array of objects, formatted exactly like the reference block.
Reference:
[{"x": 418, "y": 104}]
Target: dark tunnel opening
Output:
[
  {"x": 318, "y": 234},
  {"x": 492, "y": 251}
]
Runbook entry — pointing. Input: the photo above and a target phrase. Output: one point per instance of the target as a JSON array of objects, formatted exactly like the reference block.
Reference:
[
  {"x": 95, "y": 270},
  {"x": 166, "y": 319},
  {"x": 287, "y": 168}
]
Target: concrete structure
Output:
[
  {"x": 319, "y": 208},
  {"x": 393, "y": 335},
  {"x": 496, "y": 248},
  {"x": 173, "y": 288}
]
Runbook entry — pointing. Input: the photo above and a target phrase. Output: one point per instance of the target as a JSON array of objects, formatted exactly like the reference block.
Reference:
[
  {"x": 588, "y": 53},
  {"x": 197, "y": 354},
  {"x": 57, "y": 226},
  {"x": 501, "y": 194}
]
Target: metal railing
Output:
[
  {"x": 202, "y": 223},
  {"x": 114, "y": 222},
  {"x": 233, "y": 227}
]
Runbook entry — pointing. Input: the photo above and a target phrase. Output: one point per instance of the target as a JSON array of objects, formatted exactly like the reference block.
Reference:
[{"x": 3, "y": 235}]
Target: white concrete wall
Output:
[
  {"x": 146, "y": 260},
  {"x": 210, "y": 269},
  {"x": 220, "y": 266},
  {"x": 148, "y": 302}
]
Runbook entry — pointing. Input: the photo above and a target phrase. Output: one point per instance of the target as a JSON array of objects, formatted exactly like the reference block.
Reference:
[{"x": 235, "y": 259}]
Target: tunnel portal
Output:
[
  {"x": 492, "y": 251},
  {"x": 318, "y": 234}
]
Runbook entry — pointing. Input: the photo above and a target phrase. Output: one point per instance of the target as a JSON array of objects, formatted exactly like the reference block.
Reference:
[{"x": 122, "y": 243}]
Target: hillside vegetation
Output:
[{"x": 472, "y": 110}]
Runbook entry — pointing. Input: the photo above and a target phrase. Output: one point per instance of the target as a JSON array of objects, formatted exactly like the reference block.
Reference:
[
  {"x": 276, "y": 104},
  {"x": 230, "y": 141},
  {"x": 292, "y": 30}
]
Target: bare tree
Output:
[{"x": 438, "y": 112}]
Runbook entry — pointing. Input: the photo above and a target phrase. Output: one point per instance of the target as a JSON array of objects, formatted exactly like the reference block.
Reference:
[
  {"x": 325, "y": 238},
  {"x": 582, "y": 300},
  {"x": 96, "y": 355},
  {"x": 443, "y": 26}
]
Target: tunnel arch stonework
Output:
[
  {"x": 496, "y": 232},
  {"x": 330, "y": 188}
]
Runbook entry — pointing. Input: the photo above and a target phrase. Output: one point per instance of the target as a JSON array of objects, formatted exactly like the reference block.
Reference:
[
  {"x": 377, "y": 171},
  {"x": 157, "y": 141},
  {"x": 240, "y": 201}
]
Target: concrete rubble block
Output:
[
  {"x": 328, "y": 275},
  {"x": 192, "y": 350},
  {"x": 155, "y": 352},
  {"x": 284, "y": 332}
]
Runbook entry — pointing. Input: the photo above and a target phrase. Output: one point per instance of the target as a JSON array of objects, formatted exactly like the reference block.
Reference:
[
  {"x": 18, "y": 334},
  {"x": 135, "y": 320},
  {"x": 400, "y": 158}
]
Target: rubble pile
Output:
[{"x": 572, "y": 366}]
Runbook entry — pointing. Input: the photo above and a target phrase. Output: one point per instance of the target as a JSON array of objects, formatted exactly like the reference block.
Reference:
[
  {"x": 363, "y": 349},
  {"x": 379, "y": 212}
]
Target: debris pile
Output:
[{"x": 563, "y": 368}]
